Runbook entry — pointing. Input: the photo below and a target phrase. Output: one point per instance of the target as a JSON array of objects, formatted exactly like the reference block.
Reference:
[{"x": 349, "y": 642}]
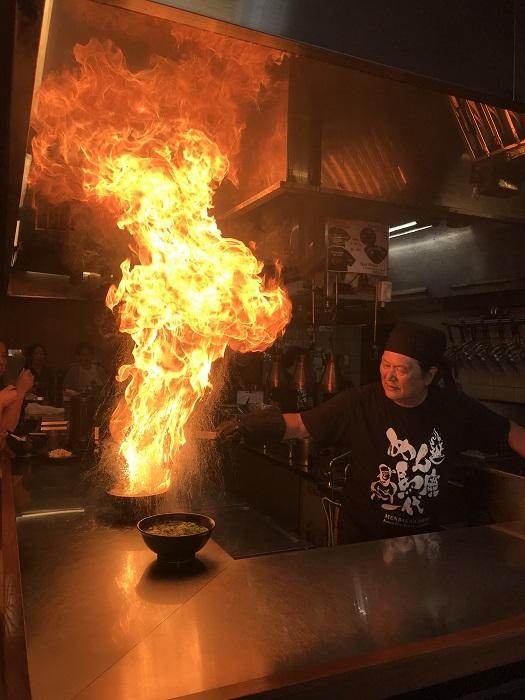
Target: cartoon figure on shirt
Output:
[
  {"x": 383, "y": 489},
  {"x": 415, "y": 474}
]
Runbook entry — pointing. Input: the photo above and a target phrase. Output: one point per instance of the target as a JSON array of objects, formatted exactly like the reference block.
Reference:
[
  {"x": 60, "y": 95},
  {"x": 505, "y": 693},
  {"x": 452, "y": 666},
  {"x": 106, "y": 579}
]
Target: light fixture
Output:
[
  {"x": 398, "y": 228},
  {"x": 412, "y": 230}
]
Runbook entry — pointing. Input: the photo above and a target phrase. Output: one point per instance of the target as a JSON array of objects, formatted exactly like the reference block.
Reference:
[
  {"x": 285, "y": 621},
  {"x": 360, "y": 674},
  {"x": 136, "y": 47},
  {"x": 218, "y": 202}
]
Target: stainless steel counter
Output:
[{"x": 104, "y": 621}]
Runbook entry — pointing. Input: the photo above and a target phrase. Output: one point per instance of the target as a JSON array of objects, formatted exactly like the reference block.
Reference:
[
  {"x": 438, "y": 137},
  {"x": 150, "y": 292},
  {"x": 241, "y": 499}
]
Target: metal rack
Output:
[{"x": 486, "y": 343}]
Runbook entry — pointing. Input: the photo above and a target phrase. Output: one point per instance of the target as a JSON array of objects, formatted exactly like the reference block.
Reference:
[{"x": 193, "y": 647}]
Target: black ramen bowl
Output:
[{"x": 175, "y": 548}]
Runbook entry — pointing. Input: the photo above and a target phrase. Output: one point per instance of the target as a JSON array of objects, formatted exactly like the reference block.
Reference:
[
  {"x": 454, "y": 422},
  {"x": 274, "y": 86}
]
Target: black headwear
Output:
[{"x": 415, "y": 340}]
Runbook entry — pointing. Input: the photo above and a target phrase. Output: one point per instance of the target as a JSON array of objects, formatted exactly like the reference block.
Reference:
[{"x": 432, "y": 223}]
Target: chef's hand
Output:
[
  {"x": 259, "y": 426},
  {"x": 8, "y": 395},
  {"x": 230, "y": 431},
  {"x": 24, "y": 382}
]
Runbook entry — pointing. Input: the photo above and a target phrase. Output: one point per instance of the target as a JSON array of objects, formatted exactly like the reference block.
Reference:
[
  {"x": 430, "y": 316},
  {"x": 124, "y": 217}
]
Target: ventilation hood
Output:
[{"x": 329, "y": 140}]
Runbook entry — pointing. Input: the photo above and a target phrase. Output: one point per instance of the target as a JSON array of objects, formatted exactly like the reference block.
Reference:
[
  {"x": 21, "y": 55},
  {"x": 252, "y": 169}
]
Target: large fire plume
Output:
[{"x": 151, "y": 146}]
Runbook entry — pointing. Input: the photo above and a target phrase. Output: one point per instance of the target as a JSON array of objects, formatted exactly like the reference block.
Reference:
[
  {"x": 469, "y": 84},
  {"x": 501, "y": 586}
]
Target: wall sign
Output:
[{"x": 356, "y": 247}]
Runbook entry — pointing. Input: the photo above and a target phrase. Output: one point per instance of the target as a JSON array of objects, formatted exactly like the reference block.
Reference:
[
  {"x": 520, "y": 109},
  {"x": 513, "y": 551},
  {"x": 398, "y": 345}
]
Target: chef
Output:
[{"x": 403, "y": 431}]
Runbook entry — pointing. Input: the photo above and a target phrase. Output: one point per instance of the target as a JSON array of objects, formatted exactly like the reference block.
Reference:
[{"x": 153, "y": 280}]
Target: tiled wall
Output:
[{"x": 494, "y": 385}]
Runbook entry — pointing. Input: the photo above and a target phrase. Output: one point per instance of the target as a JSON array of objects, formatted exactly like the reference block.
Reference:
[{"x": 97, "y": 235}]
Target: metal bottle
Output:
[
  {"x": 300, "y": 382},
  {"x": 329, "y": 383}
]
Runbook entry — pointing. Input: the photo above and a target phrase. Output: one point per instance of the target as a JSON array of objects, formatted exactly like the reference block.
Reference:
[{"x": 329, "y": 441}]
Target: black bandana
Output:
[{"x": 420, "y": 342}]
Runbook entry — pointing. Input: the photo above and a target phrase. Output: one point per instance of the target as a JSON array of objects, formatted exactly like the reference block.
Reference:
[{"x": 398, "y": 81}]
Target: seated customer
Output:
[
  {"x": 84, "y": 375},
  {"x": 35, "y": 360},
  {"x": 13, "y": 394}
]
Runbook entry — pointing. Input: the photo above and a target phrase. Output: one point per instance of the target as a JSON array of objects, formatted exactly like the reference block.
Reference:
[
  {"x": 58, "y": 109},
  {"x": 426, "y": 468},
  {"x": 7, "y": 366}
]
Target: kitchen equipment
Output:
[
  {"x": 26, "y": 445},
  {"x": 82, "y": 410},
  {"x": 273, "y": 380},
  {"x": 300, "y": 382},
  {"x": 57, "y": 432},
  {"x": 132, "y": 507},
  {"x": 300, "y": 375},
  {"x": 329, "y": 384},
  {"x": 299, "y": 451},
  {"x": 18, "y": 438},
  {"x": 175, "y": 549}
]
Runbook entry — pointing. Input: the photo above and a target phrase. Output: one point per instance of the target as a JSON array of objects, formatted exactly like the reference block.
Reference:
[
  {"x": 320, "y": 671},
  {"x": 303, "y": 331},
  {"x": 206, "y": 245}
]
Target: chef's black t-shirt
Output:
[{"x": 401, "y": 458}]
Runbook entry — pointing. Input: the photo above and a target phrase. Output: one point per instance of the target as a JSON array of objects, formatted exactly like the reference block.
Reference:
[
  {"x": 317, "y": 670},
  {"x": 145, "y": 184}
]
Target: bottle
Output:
[
  {"x": 273, "y": 379},
  {"x": 300, "y": 383},
  {"x": 329, "y": 383}
]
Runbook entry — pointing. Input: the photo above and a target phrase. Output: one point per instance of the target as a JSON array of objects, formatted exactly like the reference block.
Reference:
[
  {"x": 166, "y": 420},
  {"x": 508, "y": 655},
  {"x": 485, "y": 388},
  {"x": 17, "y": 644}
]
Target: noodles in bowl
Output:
[{"x": 176, "y": 537}]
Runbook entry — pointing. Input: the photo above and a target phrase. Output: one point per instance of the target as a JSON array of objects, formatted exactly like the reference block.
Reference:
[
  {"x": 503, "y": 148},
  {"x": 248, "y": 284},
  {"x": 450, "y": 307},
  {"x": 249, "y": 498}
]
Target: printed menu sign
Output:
[{"x": 357, "y": 247}]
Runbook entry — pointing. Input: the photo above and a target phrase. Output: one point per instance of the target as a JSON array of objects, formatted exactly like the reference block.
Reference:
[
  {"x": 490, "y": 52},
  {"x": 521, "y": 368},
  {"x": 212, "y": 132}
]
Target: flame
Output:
[{"x": 151, "y": 149}]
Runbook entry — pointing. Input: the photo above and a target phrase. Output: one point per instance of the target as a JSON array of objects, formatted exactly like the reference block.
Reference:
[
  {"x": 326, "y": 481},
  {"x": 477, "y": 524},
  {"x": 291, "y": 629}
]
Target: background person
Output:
[
  {"x": 36, "y": 361},
  {"x": 404, "y": 433},
  {"x": 85, "y": 374},
  {"x": 12, "y": 408}
]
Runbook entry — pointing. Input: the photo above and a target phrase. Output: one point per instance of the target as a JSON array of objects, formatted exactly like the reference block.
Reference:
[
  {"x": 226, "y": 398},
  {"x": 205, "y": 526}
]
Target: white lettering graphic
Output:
[
  {"x": 410, "y": 480},
  {"x": 402, "y": 479},
  {"x": 431, "y": 487},
  {"x": 436, "y": 448},
  {"x": 399, "y": 447},
  {"x": 422, "y": 464}
]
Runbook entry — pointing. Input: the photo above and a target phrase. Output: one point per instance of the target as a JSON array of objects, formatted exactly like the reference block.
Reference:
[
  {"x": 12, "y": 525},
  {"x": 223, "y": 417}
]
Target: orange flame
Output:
[{"x": 108, "y": 135}]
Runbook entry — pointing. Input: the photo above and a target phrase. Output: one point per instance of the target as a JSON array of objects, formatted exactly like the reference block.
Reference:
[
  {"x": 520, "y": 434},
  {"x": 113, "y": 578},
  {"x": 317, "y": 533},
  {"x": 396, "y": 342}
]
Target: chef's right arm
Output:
[
  {"x": 261, "y": 426},
  {"x": 295, "y": 428}
]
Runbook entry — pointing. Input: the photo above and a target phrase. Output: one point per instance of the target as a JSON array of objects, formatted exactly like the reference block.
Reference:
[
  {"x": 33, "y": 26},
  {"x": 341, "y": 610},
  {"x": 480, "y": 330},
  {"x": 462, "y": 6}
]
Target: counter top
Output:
[
  {"x": 509, "y": 462},
  {"x": 316, "y": 471},
  {"x": 105, "y": 621},
  {"x": 280, "y": 452}
]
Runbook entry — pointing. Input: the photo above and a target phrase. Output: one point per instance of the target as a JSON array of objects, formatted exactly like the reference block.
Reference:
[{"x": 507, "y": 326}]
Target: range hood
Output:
[
  {"x": 329, "y": 140},
  {"x": 352, "y": 134},
  {"x": 495, "y": 139}
]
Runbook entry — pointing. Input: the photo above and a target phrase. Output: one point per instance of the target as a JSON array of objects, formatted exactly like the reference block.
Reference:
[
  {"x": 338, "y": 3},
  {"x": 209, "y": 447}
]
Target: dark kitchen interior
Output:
[{"x": 404, "y": 125}]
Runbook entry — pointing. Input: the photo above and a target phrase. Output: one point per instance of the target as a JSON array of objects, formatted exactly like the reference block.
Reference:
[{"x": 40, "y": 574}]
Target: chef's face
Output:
[
  {"x": 3, "y": 358},
  {"x": 403, "y": 380}
]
